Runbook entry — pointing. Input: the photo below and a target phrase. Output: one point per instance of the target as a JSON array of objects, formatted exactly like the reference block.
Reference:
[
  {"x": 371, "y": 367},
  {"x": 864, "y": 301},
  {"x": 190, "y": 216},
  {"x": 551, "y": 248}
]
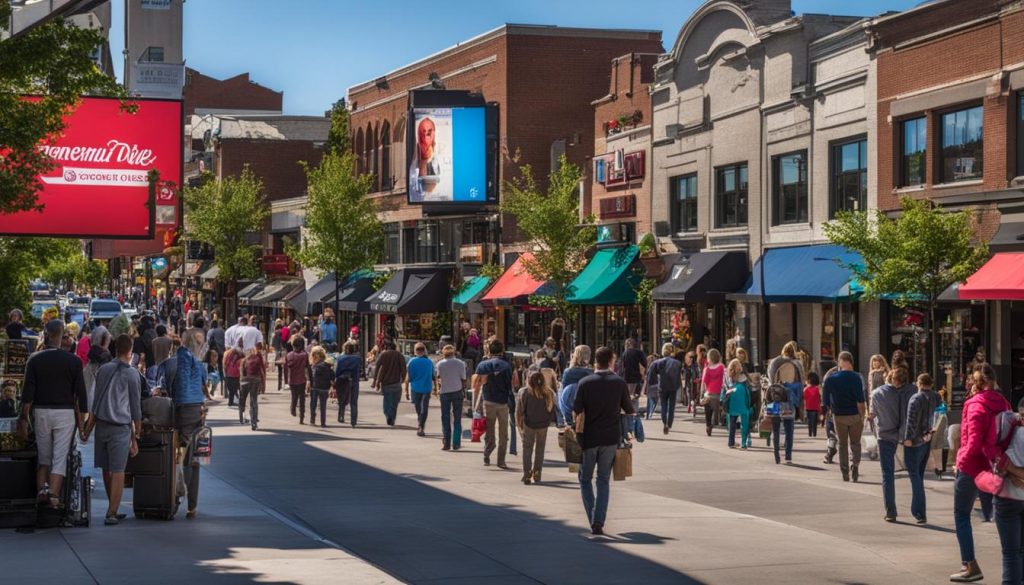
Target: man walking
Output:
[
  {"x": 54, "y": 396},
  {"x": 917, "y": 442},
  {"x": 117, "y": 420},
  {"x": 329, "y": 334},
  {"x": 421, "y": 378},
  {"x": 665, "y": 374},
  {"x": 350, "y": 366},
  {"x": 161, "y": 345},
  {"x": 494, "y": 377},
  {"x": 844, "y": 397},
  {"x": 234, "y": 332},
  {"x": 889, "y": 403},
  {"x": 600, "y": 399},
  {"x": 387, "y": 377}
]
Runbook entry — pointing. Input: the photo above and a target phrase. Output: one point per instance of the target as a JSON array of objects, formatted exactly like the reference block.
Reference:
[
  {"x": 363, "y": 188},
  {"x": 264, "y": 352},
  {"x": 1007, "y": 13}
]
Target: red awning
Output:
[
  {"x": 1000, "y": 279},
  {"x": 514, "y": 287}
]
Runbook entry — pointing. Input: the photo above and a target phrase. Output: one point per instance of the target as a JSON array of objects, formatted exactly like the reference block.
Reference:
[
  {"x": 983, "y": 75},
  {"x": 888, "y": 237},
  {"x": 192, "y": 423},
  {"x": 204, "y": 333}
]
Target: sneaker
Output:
[
  {"x": 665, "y": 430},
  {"x": 922, "y": 519},
  {"x": 456, "y": 447},
  {"x": 889, "y": 518},
  {"x": 502, "y": 466},
  {"x": 445, "y": 448},
  {"x": 597, "y": 529},
  {"x": 743, "y": 447},
  {"x": 969, "y": 573},
  {"x": 487, "y": 461},
  {"x": 420, "y": 433}
]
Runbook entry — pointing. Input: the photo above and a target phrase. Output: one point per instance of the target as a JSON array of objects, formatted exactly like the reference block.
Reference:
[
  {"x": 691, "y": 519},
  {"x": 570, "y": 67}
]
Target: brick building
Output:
[
  {"x": 543, "y": 79},
  {"x": 622, "y": 129},
  {"x": 203, "y": 94},
  {"x": 950, "y": 128}
]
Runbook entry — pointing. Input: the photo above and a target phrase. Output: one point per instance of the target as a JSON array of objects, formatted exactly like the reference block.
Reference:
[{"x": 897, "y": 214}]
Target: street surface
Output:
[{"x": 300, "y": 504}]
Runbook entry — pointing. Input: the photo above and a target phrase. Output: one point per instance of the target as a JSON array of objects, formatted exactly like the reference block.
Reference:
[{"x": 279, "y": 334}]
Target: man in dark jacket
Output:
[
  {"x": 600, "y": 399},
  {"x": 387, "y": 378}
]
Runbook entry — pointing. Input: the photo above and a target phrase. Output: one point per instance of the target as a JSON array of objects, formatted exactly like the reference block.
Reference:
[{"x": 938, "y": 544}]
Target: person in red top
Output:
[
  {"x": 296, "y": 370},
  {"x": 979, "y": 449},
  {"x": 232, "y": 371},
  {"x": 812, "y": 403}
]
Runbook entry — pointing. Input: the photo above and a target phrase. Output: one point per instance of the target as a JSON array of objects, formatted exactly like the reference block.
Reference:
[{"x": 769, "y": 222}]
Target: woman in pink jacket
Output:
[{"x": 978, "y": 451}]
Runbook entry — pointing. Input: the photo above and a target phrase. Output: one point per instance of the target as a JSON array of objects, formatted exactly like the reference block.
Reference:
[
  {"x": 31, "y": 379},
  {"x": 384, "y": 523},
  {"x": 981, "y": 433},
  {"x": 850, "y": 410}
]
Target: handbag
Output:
[
  {"x": 479, "y": 427},
  {"x": 573, "y": 449}
]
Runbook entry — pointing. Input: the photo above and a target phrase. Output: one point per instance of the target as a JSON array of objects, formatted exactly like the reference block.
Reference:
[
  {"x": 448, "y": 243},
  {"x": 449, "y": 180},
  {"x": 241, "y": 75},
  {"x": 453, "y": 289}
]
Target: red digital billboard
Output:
[{"x": 99, "y": 187}]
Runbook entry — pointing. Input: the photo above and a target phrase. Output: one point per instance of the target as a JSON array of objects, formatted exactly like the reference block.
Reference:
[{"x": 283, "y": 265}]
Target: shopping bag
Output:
[
  {"x": 202, "y": 445},
  {"x": 764, "y": 427},
  {"x": 573, "y": 449},
  {"x": 869, "y": 443},
  {"x": 479, "y": 428},
  {"x": 622, "y": 467}
]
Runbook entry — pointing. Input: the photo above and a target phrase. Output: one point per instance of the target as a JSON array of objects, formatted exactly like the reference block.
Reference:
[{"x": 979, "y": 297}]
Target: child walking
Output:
[{"x": 812, "y": 403}]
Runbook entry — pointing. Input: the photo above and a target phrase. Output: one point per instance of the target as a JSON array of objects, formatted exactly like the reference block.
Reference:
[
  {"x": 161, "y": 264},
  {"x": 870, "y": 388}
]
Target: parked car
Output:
[
  {"x": 40, "y": 307},
  {"x": 104, "y": 309}
]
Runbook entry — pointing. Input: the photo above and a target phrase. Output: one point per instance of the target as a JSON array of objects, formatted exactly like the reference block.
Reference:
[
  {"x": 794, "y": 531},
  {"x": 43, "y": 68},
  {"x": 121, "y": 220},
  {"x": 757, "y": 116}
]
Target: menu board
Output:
[{"x": 14, "y": 356}]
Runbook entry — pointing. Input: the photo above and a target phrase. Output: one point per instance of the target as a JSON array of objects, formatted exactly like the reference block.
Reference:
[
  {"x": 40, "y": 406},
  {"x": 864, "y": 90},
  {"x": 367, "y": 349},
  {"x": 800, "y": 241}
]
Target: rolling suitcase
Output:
[
  {"x": 77, "y": 493},
  {"x": 154, "y": 494}
]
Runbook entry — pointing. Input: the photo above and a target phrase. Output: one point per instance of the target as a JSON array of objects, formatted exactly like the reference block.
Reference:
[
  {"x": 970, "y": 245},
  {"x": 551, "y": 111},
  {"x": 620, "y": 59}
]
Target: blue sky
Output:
[{"x": 314, "y": 50}]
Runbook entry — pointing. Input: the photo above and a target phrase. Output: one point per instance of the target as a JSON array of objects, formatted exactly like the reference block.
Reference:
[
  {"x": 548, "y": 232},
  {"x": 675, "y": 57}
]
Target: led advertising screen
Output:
[
  {"x": 448, "y": 155},
  {"x": 99, "y": 187}
]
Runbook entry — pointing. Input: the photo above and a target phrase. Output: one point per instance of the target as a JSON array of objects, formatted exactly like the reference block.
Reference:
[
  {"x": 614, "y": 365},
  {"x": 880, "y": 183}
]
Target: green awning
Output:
[
  {"x": 608, "y": 279},
  {"x": 472, "y": 292}
]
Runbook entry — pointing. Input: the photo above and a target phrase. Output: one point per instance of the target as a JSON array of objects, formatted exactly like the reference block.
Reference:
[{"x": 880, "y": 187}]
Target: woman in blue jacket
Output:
[{"x": 739, "y": 405}]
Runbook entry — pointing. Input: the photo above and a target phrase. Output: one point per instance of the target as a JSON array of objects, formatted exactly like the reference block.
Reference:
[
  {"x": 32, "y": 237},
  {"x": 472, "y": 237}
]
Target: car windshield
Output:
[{"x": 106, "y": 307}]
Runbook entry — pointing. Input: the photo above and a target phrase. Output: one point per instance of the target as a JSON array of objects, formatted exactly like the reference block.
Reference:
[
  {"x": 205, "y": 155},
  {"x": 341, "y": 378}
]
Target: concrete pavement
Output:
[{"x": 300, "y": 504}]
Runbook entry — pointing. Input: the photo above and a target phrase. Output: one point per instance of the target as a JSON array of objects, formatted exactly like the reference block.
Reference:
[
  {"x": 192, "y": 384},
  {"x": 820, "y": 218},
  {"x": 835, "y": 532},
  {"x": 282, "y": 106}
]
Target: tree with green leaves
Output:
[
  {"x": 338, "y": 140},
  {"x": 54, "y": 62},
  {"x": 343, "y": 232},
  {"x": 221, "y": 213},
  {"x": 556, "y": 233},
  {"x": 68, "y": 268},
  {"x": 911, "y": 258},
  {"x": 21, "y": 260}
]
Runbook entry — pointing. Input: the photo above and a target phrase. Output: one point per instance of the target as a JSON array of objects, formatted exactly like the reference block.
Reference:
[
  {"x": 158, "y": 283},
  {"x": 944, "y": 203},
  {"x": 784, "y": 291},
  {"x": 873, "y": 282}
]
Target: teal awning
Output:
[
  {"x": 472, "y": 292},
  {"x": 608, "y": 279}
]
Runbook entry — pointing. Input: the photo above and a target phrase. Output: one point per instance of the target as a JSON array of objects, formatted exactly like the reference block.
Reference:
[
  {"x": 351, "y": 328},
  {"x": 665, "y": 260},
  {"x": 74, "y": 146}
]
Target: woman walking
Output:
[
  {"x": 254, "y": 377},
  {"x": 320, "y": 378},
  {"x": 579, "y": 368},
  {"x": 711, "y": 385},
  {"x": 296, "y": 370},
  {"x": 978, "y": 449},
  {"x": 279, "y": 355},
  {"x": 452, "y": 372},
  {"x": 739, "y": 405},
  {"x": 233, "y": 372},
  {"x": 782, "y": 414},
  {"x": 534, "y": 415},
  {"x": 878, "y": 372}
]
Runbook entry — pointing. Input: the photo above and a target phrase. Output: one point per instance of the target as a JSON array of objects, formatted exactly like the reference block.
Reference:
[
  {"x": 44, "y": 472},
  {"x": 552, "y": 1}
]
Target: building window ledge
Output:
[
  {"x": 729, "y": 231},
  {"x": 790, "y": 227},
  {"x": 909, "y": 189},
  {"x": 958, "y": 184}
]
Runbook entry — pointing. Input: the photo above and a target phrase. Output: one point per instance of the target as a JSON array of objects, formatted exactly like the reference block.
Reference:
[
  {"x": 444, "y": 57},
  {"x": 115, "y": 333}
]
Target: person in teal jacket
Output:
[{"x": 739, "y": 405}]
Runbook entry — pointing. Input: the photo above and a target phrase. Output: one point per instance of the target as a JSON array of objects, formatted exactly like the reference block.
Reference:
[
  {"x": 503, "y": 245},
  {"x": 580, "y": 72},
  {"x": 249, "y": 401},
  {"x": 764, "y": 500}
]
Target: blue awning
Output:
[{"x": 802, "y": 274}]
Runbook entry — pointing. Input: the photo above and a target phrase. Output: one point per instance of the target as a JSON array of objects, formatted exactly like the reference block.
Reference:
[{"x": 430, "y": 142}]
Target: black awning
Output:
[
  {"x": 321, "y": 290},
  {"x": 704, "y": 277},
  {"x": 1009, "y": 237},
  {"x": 413, "y": 291},
  {"x": 353, "y": 296},
  {"x": 276, "y": 291}
]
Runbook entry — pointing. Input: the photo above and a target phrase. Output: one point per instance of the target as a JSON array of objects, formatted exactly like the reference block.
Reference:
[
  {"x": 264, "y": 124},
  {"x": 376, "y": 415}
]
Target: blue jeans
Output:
[
  {"x": 964, "y": 495},
  {"x": 421, "y": 400},
  {"x": 392, "y": 396},
  {"x": 451, "y": 418},
  {"x": 1010, "y": 524},
  {"x": 353, "y": 402},
  {"x": 668, "y": 407},
  {"x": 512, "y": 425},
  {"x": 916, "y": 459},
  {"x": 652, "y": 401},
  {"x": 887, "y": 458},
  {"x": 602, "y": 458},
  {"x": 787, "y": 425},
  {"x": 743, "y": 422}
]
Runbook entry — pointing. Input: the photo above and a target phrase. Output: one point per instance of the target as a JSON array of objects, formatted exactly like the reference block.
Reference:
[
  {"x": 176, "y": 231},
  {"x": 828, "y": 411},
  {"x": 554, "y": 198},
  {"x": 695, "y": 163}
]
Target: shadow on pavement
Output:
[{"x": 417, "y": 532}]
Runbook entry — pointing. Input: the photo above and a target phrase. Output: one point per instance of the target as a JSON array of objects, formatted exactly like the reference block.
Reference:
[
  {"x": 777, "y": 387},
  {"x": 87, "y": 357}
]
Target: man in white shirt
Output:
[
  {"x": 234, "y": 332},
  {"x": 250, "y": 336}
]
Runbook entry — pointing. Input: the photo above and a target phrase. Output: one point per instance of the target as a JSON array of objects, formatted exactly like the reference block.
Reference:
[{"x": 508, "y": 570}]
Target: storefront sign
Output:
[
  {"x": 100, "y": 187},
  {"x": 278, "y": 264},
  {"x": 472, "y": 253},
  {"x": 15, "y": 356}
]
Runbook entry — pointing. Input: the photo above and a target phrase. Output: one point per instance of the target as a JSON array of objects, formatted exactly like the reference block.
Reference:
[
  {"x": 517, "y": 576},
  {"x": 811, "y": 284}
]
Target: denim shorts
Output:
[{"x": 112, "y": 445}]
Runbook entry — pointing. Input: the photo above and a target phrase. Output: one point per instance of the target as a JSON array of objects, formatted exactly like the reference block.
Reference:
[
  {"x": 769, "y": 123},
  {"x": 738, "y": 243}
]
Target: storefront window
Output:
[
  {"x": 838, "y": 333},
  {"x": 613, "y": 325},
  {"x": 527, "y": 328},
  {"x": 686, "y": 326}
]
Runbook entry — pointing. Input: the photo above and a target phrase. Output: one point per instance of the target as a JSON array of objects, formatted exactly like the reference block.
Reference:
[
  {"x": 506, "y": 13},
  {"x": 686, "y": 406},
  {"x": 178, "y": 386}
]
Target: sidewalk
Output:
[{"x": 234, "y": 540}]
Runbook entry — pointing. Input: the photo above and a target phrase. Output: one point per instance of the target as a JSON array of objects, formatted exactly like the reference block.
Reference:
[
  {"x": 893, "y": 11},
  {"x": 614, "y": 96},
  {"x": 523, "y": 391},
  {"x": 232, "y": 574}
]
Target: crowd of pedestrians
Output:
[{"x": 88, "y": 383}]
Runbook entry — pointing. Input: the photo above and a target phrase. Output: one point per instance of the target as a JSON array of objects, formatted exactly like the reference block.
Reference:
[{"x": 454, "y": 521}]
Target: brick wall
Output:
[
  {"x": 235, "y": 93},
  {"x": 275, "y": 162}
]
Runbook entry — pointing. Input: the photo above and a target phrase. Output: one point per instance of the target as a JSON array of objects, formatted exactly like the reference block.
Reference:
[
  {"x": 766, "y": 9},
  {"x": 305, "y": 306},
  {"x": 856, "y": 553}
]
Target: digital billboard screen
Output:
[
  {"x": 99, "y": 187},
  {"x": 448, "y": 155}
]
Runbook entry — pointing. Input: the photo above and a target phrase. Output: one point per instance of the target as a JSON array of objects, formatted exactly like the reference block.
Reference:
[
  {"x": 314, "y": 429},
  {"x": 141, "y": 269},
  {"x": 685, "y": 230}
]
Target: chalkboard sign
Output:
[{"x": 15, "y": 356}]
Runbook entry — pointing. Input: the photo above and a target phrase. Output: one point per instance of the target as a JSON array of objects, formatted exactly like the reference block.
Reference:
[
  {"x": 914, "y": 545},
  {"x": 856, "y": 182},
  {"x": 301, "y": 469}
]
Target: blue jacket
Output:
[
  {"x": 350, "y": 365},
  {"x": 183, "y": 378}
]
